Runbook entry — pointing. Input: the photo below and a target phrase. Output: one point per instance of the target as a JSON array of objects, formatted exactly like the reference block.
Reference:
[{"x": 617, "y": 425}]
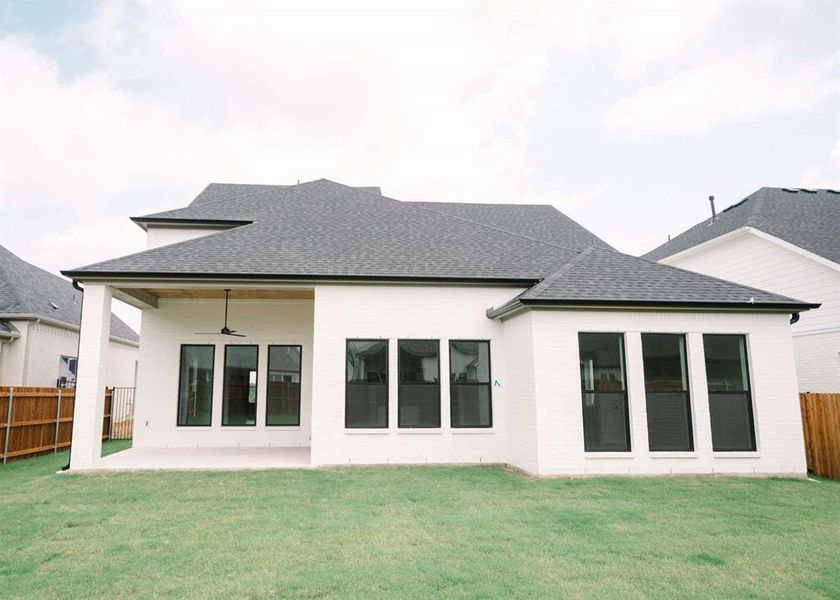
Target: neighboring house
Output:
[
  {"x": 378, "y": 331},
  {"x": 786, "y": 241},
  {"x": 39, "y": 330}
]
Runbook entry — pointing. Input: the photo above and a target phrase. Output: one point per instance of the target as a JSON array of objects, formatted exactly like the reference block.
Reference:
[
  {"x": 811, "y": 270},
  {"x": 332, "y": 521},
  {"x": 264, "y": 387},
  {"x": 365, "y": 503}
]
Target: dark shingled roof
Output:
[
  {"x": 809, "y": 219},
  {"x": 537, "y": 221},
  {"x": 27, "y": 290},
  {"x": 325, "y": 230}
]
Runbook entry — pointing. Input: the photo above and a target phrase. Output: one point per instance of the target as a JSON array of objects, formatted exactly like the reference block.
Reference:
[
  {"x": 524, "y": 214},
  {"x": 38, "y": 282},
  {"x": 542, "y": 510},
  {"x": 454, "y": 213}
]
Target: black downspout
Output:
[
  {"x": 794, "y": 318},
  {"x": 78, "y": 347}
]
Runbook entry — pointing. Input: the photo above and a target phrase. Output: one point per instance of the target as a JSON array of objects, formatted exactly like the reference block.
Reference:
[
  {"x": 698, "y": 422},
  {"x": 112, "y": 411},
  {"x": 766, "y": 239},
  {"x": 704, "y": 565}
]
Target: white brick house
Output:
[{"x": 386, "y": 332}]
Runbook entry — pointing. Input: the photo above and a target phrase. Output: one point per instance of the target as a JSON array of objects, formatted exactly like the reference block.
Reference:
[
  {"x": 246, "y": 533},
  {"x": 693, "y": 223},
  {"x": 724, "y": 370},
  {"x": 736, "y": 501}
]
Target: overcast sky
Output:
[{"x": 624, "y": 116}]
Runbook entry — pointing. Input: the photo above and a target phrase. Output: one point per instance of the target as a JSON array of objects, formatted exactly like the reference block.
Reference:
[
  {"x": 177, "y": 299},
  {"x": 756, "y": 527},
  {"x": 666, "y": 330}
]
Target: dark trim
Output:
[
  {"x": 748, "y": 392},
  {"x": 82, "y": 275},
  {"x": 424, "y": 383},
  {"x": 141, "y": 221},
  {"x": 492, "y": 313},
  {"x": 387, "y": 382},
  {"x": 624, "y": 392},
  {"x": 686, "y": 391},
  {"x": 180, "y": 381},
  {"x": 489, "y": 385},
  {"x": 300, "y": 386},
  {"x": 224, "y": 384}
]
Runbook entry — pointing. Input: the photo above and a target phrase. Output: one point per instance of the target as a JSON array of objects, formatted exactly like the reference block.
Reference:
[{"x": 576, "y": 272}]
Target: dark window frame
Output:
[
  {"x": 256, "y": 387},
  {"x": 268, "y": 372},
  {"x": 625, "y": 392},
  {"x": 748, "y": 391},
  {"x": 428, "y": 383},
  {"x": 489, "y": 385},
  {"x": 686, "y": 391},
  {"x": 181, "y": 380},
  {"x": 386, "y": 383}
]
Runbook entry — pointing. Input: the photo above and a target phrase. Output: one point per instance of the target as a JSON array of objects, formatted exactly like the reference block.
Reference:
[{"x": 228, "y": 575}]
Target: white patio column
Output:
[{"x": 90, "y": 378}]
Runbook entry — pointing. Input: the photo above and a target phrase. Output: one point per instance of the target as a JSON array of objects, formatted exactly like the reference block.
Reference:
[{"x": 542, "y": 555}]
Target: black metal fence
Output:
[{"x": 120, "y": 413}]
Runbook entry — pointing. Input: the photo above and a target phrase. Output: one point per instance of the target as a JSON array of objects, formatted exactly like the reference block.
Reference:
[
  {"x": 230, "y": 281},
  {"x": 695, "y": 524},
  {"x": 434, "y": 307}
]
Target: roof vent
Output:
[
  {"x": 833, "y": 191},
  {"x": 807, "y": 191},
  {"x": 790, "y": 190},
  {"x": 54, "y": 305},
  {"x": 714, "y": 214}
]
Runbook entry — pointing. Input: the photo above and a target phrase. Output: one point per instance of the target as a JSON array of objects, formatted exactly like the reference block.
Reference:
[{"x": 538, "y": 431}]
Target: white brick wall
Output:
[
  {"x": 537, "y": 415},
  {"x": 176, "y": 322},
  {"x": 775, "y": 398},
  {"x": 163, "y": 236},
  {"x": 818, "y": 361}
]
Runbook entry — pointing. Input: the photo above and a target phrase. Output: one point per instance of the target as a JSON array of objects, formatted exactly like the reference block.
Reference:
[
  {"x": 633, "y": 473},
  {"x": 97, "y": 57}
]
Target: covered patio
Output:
[{"x": 202, "y": 459}]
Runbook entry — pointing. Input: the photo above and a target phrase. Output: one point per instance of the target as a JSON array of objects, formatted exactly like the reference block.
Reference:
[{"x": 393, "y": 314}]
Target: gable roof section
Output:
[
  {"x": 27, "y": 290},
  {"x": 536, "y": 221},
  {"x": 809, "y": 219},
  {"x": 323, "y": 230}
]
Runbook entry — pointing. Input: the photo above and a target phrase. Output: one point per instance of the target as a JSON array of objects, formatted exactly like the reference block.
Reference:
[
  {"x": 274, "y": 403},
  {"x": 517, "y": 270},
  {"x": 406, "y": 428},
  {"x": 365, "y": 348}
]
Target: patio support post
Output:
[{"x": 88, "y": 412}]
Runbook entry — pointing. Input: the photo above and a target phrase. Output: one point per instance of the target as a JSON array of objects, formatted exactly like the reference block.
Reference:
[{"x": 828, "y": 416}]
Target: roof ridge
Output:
[
  {"x": 271, "y": 188},
  {"x": 755, "y": 213},
  {"x": 559, "y": 272}
]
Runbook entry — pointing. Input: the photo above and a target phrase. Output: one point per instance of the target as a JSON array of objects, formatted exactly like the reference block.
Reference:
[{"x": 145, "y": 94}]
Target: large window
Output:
[
  {"x": 239, "y": 400},
  {"x": 282, "y": 396},
  {"x": 195, "y": 386},
  {"x": 666, "y": 390},
  {"x": 469, "y": 384},
  {"x": 419, "y": 390},
  {"x": 730, "y": 402},
  {"x": 606, "y": 424},
  {"x": 366, "y": 392}
]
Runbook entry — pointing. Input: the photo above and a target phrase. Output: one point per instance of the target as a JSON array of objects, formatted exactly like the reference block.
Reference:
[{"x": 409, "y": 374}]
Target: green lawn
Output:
[{"x": 411, "y": 532}]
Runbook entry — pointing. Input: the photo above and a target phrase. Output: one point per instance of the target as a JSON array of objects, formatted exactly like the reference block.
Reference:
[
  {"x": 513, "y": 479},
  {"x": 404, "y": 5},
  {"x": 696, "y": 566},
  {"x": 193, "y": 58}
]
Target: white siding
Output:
[
  {"x": 14, "y": 357},
  {"x": 757, "y": 262},
  {"x": 176, "y": 322},
  {"x": 163, "y": 236},
  {"x": 518, "y": 347}
]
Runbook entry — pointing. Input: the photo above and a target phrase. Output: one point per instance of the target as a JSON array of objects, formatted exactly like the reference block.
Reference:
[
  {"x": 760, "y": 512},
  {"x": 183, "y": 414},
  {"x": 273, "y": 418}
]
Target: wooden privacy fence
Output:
[
  {"x": 821, "y": 425},
  {"x": 37, "y": 420}
]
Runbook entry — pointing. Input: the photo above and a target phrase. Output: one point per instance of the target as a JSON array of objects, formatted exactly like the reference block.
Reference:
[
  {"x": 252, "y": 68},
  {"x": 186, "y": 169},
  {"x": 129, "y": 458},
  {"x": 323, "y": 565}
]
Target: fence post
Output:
[
  {"x": 57, "y": 421},
  {"x": 110, "y": 414},
  {"x": 8, "y": 426}
]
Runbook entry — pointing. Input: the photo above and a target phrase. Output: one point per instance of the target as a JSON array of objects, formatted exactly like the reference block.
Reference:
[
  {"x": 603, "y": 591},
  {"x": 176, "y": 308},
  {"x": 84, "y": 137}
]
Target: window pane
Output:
[
  {"x": 664, "y": 360},
  {"x": 419, "y": 361},
  {"x": 470, "y": 406},
  {"x": 366, "y": 392},
  {"x": 669, "y": 422},
  {"x": 419, "y": 390},
  {"x": 367, "y": 361},
  {"x": 605, "y": 422},
  {"x": 732, "y": 424},
  {"x": 601, "y": 362},
  {"x": 195, "y": 394},
  {"x": 239, "y": 401},
  {"x": 726, "y": 363},
  {"x": 366, "y": 405},
  {"x": 469, "y": 362},
  {"x": 282, "y": 398}
]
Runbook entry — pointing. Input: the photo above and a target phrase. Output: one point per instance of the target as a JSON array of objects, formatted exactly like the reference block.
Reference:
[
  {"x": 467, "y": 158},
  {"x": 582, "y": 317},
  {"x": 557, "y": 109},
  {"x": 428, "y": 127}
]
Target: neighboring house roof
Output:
[
  {"x": 27, "y": 290},
  {"x": 7, "y": 330},
  {"x": 809, "y": 219},
  {"x": 324, "y": 230}
]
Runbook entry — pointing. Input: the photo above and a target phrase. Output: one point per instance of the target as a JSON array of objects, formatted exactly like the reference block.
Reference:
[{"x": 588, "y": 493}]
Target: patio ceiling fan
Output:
[{"x": 225, "y": 330}]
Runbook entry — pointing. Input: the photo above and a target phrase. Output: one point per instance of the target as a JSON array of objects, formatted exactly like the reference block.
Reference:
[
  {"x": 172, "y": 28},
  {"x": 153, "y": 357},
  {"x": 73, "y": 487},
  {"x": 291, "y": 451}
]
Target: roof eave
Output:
[
  {"x": 510, "y": 307},
  {"x": 144, "y": 222}
]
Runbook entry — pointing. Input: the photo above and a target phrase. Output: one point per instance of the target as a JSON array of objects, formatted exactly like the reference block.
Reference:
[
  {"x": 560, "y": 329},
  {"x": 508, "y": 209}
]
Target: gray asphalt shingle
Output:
[
  {"x": 27, "y": 290},
  {"x": 323, "y": 229},
  {"x": 808, "y": 219}
]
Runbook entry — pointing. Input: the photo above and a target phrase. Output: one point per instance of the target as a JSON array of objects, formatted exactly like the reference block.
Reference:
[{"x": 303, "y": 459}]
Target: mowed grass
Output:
[{"x": 411, "y": 532}]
